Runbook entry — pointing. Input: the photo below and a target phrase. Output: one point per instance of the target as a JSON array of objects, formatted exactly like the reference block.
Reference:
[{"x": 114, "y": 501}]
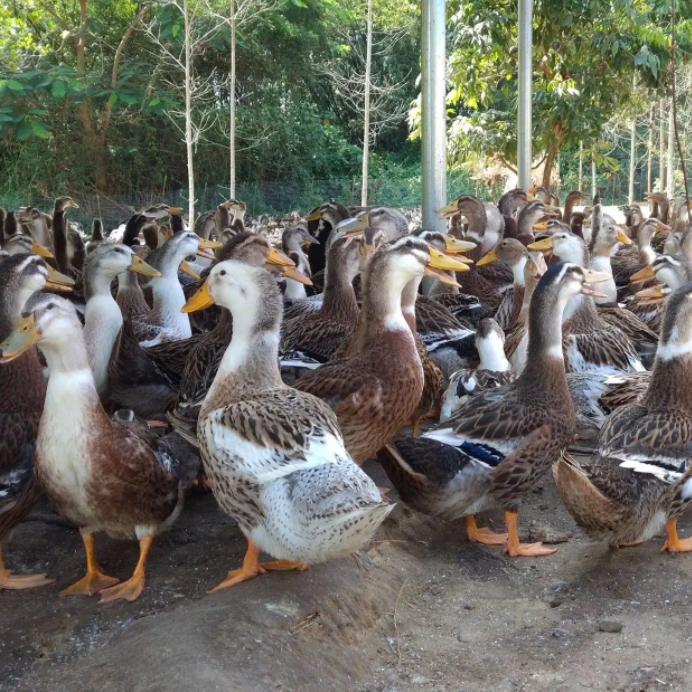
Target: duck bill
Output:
[
  {"x": 310, "y": 240},
  {"x": 141, "y": 267},
  {"x": 293, "y": 273},
  {"x": 354, "y": 226},
  {"x": 663, "y": 227},
  {"x": 438, "y": 260},
  {"x": 487, "y": 259},
  {"x": 278, "y": 258},
  {"x": 314, "y": 216},
  {"x": 454, "y": 246},
  {"x": 58, "y": 282},
  {"x": 71, "y": 204},
  {"x": 41, "y": 251},
  {"x": 207, "y": 244},
  {"x": 544, "y": 245},
  {"x": 623, "y": 237},
  {"x": 449, "y": 210},
  {"x": 541, "y": 226},
  {"x": 200, "y": 300},
  {"x": 643, "y": 275},
  {"x": 592, "y": 277},
  {"x": 442, "y": 277},
  {"x": 185, "y": 268},
  {"x": 651, "y": 296},
  {"x": 206, "y": 254},
  {"x": 174, "y": 211},
  {"x": 20, "y": 340}
]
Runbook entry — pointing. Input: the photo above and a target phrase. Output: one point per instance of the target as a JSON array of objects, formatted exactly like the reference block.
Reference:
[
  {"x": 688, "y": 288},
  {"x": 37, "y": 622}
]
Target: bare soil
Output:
[{"x": 421, "y": 609}]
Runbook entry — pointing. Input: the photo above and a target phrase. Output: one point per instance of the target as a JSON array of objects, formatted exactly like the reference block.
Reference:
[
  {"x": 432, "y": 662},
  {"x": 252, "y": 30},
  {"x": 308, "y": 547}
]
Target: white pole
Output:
[
  {"x": 580, "y": 179},
  {"x": 633, "y": 156},
  {"x": 670, "y": 163},
  {"x": 525, "y": 73},
  {"x": 366, "y": 108},
  {"x": 433, "y": 105}
]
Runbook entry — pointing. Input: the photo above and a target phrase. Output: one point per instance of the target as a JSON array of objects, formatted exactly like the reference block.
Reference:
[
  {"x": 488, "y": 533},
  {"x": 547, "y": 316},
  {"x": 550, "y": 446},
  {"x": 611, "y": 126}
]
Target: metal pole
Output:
[
  {"x": 524, "y": 115},
  {"x": 433, "y": 105}
]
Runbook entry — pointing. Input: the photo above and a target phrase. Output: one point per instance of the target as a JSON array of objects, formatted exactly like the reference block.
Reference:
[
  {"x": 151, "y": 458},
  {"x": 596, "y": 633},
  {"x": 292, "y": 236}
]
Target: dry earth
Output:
[{"x": 422, "y": 609}]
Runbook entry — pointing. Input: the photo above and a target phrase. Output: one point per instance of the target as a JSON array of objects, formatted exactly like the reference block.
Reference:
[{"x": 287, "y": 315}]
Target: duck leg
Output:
[
  {"x": 483, "y": 535},
  {"x": 131, "y": 589},
  {"x": 13, "y": 581},
  {"x": 515, "y": 548},
  {"x": 674, "y": 543},
  {"x": 252, "y": 568},
  {"x": 95, "y": 579}
]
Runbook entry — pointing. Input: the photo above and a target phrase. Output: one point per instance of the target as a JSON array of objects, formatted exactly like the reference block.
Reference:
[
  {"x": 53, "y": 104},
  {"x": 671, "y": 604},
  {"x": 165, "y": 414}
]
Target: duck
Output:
[
  {"x": 633, "y": 258},
  {"x": 493, "y": 451},
  {"x": 60, "y": 235},
  {"x": 121, "y": 481},
  {"x": 274, "y": 457},
  {"x": 22, "y": 393},
  {"x": 574, "y": 197},
  {"x": 514, "y": 254},
  {"x": 640, "y": 479},
  {"x": 318, "y": 335},
  {"x": 15, "y": 242},
  {"x": 590, "y": 343},
  {"x": 204, "y": 352},
  {"x": 97, "y": 235},
  {"x": 37, "y": 225},
  {"x": 321, "y": 223},
  {"x": 494, "y": 369},
  {"x": 167, "y": 322},
  {"x": 376, "y": 389},
  {"x": 293, "y": 240}
]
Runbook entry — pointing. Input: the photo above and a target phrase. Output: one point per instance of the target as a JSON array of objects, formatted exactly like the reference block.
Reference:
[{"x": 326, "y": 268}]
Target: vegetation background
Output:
[{"x": 92, "y": 101}]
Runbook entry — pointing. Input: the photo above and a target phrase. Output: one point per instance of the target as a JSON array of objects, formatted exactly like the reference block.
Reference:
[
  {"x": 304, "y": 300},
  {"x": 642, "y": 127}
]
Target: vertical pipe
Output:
[
  {"x": 670, "y": 163},
  {"x": 433, "y": 125},
  {"x": 650, "y": 154},
  {"x": 633, "y": 160},
  {"x": 524, "y": 115},
  {"x": 366, "y": 107},
  {"x": 580, "y": 179},
  {"x": 594, "y": 182},
  {"x": 661, "y": 147}
]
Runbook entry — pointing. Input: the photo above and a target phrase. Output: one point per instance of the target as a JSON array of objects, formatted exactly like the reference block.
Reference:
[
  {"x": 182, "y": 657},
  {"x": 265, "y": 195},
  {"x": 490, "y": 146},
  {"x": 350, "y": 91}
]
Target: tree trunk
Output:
[
  {"x": 366, "y": 109},
  {"x": 650, "y": 153},
  {"x": 670, "y": 162},
  {"x": 189, "y": 137},
  {"x": 548, "y": 165},
  {"x": 661, "y": 146},
  {"x": 231, "y": 102},
  {"x": 580, "y": 179},
  {"x": 633, "y": 162}
]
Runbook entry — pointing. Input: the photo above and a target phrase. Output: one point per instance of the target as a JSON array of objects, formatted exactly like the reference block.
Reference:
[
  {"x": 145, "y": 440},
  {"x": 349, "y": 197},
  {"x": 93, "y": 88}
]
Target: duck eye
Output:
[
  {"x": 222, "y": 272},
  {"x": 50, "y": 306},
  {"x": 409, "y": 243}
]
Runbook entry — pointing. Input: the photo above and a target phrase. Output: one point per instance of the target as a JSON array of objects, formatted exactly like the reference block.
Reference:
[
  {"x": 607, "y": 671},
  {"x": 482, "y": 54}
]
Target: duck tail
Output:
[{"x": 589, "y": 507}]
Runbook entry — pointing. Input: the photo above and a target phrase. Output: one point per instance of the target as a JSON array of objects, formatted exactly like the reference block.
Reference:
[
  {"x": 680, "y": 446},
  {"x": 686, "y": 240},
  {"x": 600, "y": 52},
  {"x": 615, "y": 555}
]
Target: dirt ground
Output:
[{"x": 421, "y": 609}]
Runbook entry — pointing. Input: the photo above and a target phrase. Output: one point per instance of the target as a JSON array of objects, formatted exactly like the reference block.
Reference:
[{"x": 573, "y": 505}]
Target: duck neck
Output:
[
  {"x": 492, "y": 354},
  {"x": 67, "y": 356},
  {"x": 103, "y": 321},
  {"x": 518, "y": 272},
  {"x": 600, "y": 262},
  {"x": 569, "y": 207},
  {"x": 339, "y": 298},
  {"x": 382, "y": 304},
  {"x": 251, "y": 360},
  {"x": 545, "y": 365},
  {"x": 60, "y": 240},
  {"x": 169, "y": 299},
  {"x": 670, "y": 388}
]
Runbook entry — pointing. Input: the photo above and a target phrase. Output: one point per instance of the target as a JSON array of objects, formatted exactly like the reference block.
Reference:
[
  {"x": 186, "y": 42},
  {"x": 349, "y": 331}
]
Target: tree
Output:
[{"x": 577, "y": 80}]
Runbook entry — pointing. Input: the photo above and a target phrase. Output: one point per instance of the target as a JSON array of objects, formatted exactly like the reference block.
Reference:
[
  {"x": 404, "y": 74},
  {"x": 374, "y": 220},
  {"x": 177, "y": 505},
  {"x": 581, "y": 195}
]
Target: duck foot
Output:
[
  {"x": 95, "y": 579},
  {"x": 16, "y": 582},
  {"x": 675, "y": 544},
  {"x": 483, "y": 535},
  {"x": 515, "y": 548},
  {"x": 253, "y": 568},
  {"x": 131, "y": 589}
]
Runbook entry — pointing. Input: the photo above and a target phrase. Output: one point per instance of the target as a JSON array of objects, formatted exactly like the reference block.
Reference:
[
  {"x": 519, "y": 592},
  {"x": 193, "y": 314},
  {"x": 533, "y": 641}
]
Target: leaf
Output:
[
  {"x": 58, "y": 90},
  {"x": 24, "y": 131},
  {"x": 112, "y": 99},
  {"x": 40, "y": 131}
]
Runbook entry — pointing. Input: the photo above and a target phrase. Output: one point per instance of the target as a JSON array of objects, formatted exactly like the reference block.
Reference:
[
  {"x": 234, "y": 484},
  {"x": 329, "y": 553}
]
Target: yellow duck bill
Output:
[
  {"x": 446, "y": 263},
  {"x": 488, "y": 258},
  {"x": 643, "y": 275},
  {"x": 448, "y": 210},
  {"x": 41, "y": 251},
  {"x": 186, "y": 268},
  {"x": 141, "y": 267},
  {"x": 543, "y": 245},
  {"x": 58, "y": 282},
  {"x": 455, "y": 246},
  {"x": 200, "y": 300},
  {"x": 20, "y": 340}
]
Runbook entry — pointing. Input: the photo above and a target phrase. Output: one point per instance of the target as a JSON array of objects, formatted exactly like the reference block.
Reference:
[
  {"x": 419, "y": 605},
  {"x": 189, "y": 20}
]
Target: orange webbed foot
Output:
[
  {"x": 675, "y": 544},
  {"x": 89, "y": 584},
  {"x": 483, "y": 535},
  {"x": 528, "y": 550},
  {"x": 285, "y": 565},
  {"x": 238, "y": 576},
  {"x": 16, "y": 582},
  {"x": 129, "y": 590}
]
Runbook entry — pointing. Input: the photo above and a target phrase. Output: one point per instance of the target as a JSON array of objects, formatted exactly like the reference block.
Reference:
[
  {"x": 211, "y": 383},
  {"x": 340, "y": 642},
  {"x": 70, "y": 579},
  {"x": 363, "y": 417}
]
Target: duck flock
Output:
[{"x": 138, "y": 364}]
